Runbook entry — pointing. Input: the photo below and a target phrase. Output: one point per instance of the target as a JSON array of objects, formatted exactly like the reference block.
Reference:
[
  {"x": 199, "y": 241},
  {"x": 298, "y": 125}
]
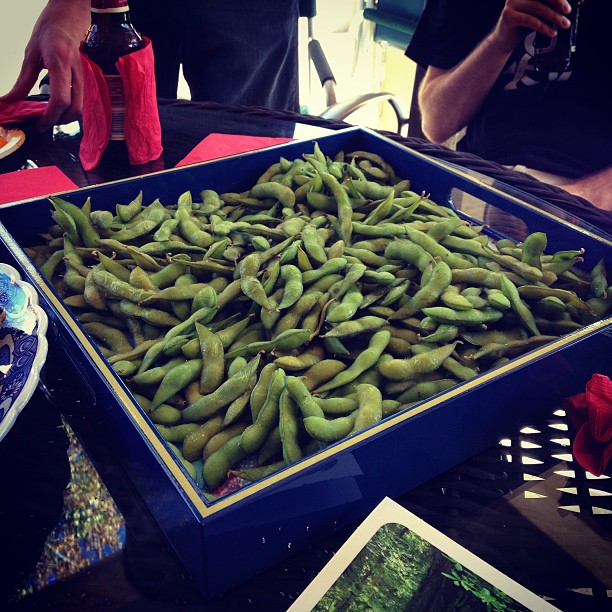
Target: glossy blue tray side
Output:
[{"x": 271, "y": 519}]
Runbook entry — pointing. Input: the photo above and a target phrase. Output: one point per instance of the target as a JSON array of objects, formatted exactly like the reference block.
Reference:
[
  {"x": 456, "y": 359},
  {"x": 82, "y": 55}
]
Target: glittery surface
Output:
[{"x": 90, "y": 529}]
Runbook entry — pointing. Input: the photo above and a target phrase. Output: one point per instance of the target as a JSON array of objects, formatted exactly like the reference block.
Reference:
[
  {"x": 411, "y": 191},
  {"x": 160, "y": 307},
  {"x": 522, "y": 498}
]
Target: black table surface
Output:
[{"x": 525, "y": 506}]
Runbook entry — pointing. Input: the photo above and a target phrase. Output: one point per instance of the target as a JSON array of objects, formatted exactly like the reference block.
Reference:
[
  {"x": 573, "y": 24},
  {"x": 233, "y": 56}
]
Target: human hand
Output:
[
  {"x": 54, "y": 45},
  {"x": 518, "y": 16}
]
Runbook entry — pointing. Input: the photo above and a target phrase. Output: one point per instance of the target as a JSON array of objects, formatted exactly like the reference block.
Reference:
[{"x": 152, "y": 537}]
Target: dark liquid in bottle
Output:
[
  {"x": 554, "y": 54},
  {"x": 110, "y": 36}
]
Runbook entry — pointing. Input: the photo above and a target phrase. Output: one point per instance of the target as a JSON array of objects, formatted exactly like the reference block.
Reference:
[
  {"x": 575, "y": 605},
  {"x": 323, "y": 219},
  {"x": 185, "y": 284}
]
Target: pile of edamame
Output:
[{"x": 262, "y": 326}]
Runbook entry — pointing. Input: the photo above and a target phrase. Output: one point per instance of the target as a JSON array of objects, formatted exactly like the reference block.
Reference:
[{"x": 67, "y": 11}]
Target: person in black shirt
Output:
[
  {"x": 239, "y": 52},
  {"x": 480, "y": 74}
]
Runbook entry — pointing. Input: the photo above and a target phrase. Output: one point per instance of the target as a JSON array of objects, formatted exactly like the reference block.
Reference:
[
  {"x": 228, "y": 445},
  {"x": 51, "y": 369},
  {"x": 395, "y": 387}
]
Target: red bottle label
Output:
[{"x": 109, "y": 6}]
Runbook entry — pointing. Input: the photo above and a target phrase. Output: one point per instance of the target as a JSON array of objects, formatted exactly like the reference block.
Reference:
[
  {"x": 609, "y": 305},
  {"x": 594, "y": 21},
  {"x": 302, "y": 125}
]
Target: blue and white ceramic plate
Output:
[{"x": 23, "y": 345}]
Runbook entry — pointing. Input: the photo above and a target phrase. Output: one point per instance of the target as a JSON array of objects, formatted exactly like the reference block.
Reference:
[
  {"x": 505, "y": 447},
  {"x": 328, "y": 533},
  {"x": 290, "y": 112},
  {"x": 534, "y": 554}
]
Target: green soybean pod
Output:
[
  {"x": 302, "y": 306},
  {"x": 364, "y": 361},
  {"x": 113, "y": 266},
  {"x": 216, "y": 467},
  {"x": 253, "y": 288},
  {"x": 425, "y": 389},
  {"x": 292, "y": 276},
  {"x": 114, "y": 338},
  {"x": 150, "y": 315},
  {"x": 331, "y": 266},
  {"x": 311, "y": 243},
  {"x": 257, "y": 473},
  {"x": 533, "y": 249},
  {"x": 403, "y": 369},
  {"x": 231, "y": 389},
  {"x": 405, "y": 250},
  {"x": 50, "y": 266},
  {"x": 440, "y": 279},
  {"x": 255, "y": 434},
  {"x": 212, "y": 355},
  {"x": 599, "y": 281},
  {"x": 236, "y": 365},
  {"x": 271, "y": 447},
  {"x": 497, "y": 299},
  {"x": 165, "y": 414},
  {"x": 302, "y": 396},
  {"x": 321, "y": 372},
  {"x": 354, "y": 327},
  {"x": 176, "y": 433},
  {"x": 228, "y": 335},
  {"x": 520, "y": 308},
  {"x": 194, "y": 442},
  {"x": 168, "y": 274},
  {"x": 173, "y": 347},
  {"x": 203, "y": 315},
  {"x": 334, "y": 406},
  {"x": 238, "y": 407},
  {"x": 126, "y": 212},
  {"x": 93, "y": 295},
  {"x": 87, "y": 232},
  {"x": 444, "y": 333},
  {"x": 347, "y": 308},
  {"x": 118, "y": 288},
  {"x": 289, "y": 428},
  {"x": 175, "y": 380},
  {"x": 369, "y": 412},
  {"x": 285, "y": 341},
  {"x": 304, "y": 360},
  {"x": 255, "y": 332},
  {"x": 125, "y": 368},
  {"x": 282, "y": 193},
  {"x": 442, "y": 314},
  {"x": 140, "y": 279},
  {"x": 67, "y": 224},
  {"x": 325, "y": 430}
]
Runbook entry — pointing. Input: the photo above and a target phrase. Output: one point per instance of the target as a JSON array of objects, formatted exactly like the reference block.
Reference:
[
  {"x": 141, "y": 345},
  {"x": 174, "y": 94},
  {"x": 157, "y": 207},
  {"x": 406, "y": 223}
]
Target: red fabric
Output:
[
  {"x": 25, "y": 184},
  {"x": 96, "y": 115},
  {"x": 142, "y": 126},
  {"x": 591, "y": 416},
  {"x": 222, "y": 145},
  {"x": 17, "y": 112}
]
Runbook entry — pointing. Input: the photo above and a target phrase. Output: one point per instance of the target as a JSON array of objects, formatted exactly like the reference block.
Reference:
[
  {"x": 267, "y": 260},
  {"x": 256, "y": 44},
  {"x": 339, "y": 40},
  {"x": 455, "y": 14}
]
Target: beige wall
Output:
[{"x": 17, "y": 18}]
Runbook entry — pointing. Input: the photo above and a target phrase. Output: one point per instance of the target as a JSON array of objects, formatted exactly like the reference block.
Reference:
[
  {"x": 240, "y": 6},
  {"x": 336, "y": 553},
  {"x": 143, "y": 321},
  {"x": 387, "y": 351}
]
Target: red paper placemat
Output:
[
  {"x": 222, "y": 145},
  {"x": 24, "y": 184}
]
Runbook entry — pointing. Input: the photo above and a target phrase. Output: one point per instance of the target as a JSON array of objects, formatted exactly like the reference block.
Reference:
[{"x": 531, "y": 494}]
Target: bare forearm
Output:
[
  {"x": 596, "y": 188},
  {"x": 449, "y": 99}
]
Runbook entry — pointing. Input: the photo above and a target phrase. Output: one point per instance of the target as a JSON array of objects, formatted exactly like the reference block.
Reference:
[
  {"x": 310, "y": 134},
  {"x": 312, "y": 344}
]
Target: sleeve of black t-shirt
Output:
[{"x": 450, "y": 29}]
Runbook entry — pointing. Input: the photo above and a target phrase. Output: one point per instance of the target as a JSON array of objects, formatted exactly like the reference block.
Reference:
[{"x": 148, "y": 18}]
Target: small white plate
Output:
[
  {"x": 23, "y": 345},
  {"x": 10, "y": 140}
]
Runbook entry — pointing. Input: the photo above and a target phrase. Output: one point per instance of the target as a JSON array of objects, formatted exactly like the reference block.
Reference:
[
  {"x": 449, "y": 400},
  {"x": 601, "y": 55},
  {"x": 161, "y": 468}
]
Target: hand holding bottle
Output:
[
  {"x": 54, "y": 45},
  {"x": 519, "y": 16}
]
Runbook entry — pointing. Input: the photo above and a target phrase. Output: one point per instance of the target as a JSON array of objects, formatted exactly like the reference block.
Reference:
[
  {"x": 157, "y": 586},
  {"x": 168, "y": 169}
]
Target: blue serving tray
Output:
[{"x": 297, "y": 506}]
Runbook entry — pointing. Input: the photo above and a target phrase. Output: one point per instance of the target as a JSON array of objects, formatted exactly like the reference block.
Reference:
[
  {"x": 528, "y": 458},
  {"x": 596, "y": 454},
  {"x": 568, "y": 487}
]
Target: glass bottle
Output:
[
  {"x": 110, "y": 36},
  {"x": 554, "y": 54}
]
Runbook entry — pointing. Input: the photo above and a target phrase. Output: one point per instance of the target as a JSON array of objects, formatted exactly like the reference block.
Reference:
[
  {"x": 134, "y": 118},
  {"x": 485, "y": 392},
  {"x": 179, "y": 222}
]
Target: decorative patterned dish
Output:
[
  {"x": 10, "y": 140},
  {"x": 23, "y": 345}
]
